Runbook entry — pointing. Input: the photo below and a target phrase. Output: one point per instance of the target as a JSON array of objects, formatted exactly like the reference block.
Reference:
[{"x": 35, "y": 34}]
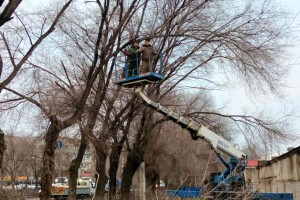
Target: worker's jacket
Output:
[
  {"x": 148, "y": 52},
  {"x": 134, "y": 57}
]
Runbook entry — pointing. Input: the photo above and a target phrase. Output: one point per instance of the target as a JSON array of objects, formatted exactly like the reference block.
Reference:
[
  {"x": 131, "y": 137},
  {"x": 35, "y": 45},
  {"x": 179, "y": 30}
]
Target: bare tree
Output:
[
  {"x": 16, "y": 157},
  {"x": 104, "y": 45},
  {"x": 197, "y": 39},
  {"x": 17, "y": 63},
  {"x": 5, "y": 16},
  {"x": 55, "y": 124},
  {"x": 98, "y": 67},
  {"x": 75, "y": 165},
  {"x": 35, "y": 164}
]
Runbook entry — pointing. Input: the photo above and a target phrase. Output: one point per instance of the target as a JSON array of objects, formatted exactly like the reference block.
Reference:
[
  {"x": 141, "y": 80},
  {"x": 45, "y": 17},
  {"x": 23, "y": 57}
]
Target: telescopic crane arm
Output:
[{"x": 196, "y": 130}]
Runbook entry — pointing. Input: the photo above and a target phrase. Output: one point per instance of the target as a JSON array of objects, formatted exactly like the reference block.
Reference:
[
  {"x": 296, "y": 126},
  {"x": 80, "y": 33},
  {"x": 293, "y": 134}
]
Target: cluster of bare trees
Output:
[
  {"x": 21, "y": 159},
  {"x": 61, "y": 62}
]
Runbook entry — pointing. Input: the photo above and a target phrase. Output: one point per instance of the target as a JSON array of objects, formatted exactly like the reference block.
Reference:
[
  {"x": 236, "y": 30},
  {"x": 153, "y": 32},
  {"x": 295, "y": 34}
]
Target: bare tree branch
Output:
[
  {"x": 18, "y": 66},
  {"x": 9, "y": 9}
]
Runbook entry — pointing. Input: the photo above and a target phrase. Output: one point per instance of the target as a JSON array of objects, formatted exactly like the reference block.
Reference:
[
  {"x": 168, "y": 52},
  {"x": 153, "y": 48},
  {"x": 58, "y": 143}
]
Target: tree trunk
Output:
[
  {"x": 48, "y": 157},
  {"x": 2, "y": 147},
  {"x": 100, "y": 170},
  {"x": 113, "y": 168},
  {"x": 116, "y": 152},
  {"x": 134, "y": 159},
  {"x": 75, "y": 165},
  {"x": 36, "y": 180},
  {"x": 136, "y": 155}
]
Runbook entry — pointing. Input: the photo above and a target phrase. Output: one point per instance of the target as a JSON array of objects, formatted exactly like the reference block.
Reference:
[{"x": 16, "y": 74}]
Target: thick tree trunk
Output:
[
  {"x": 116, "y": 152},
  {"x": 48, "y": 157},
  {"x": 2, "y": 147},
  {"x": 136, "y": 155},
  {"x": 113, "y": 168},
  {"x": 75, "y": 165},
  {"x": 134, "y": 159},
  {"x": 100, "y": 170}
]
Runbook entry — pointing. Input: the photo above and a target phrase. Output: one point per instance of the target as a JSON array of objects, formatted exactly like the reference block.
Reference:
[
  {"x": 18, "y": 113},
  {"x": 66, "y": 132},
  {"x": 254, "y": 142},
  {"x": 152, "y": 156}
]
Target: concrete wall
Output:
[{"x": 280, "y": 175}]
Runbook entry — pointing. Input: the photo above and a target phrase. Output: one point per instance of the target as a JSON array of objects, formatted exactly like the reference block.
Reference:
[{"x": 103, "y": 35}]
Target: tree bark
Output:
[
  {"x": 48, "y": 157},
  {"x": 117, "y": 148},
  {"x": 1, "y": 67},
  {"x": 134, "y": 159},
  {"x": 100, "y": 170},
  {"x": 113, "y": 168},
  {"x": 2, "y": 147},
  {"x": 75, "y": 165},
  {"x": 136, "y": 155}
]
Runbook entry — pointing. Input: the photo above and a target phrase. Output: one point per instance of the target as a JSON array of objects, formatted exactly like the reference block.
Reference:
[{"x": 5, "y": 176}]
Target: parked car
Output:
[
  {"x": 32, "y": 186},
  {"x": 21, "y": 186},
  {"x": 7, "y": 187},
  {"x": 17, "y": 187}
]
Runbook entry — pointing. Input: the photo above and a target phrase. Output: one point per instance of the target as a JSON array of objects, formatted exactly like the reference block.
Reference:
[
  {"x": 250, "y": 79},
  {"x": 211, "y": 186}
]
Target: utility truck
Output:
[
  {"x": 228, "y": 184},
  {"x": 85, "y": 189}
]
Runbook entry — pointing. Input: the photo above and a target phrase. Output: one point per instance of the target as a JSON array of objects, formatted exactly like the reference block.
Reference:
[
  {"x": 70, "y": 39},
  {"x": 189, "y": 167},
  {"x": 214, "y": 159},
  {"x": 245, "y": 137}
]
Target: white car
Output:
[
  {"x": 32, "y": 186},
  {"x": 21, "y": 186}
]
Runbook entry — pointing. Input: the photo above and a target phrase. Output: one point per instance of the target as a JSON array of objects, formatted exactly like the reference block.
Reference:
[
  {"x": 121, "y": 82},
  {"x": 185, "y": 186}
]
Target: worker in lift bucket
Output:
[
  {"x": 148, "y": 55},
  {"x": 134, "y": 59}
]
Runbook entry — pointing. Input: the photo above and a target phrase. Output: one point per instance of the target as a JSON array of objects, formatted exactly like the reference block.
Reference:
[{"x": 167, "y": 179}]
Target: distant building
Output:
[
  {"x": 87, "y": 166},
  {"x": 70, "y": 148},
  {"x": 279, "y": 175}
]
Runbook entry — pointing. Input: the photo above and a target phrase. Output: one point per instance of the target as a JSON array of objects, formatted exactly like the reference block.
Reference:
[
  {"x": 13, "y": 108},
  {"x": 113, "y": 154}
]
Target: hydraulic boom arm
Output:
[{"x": 196, "y": 130}]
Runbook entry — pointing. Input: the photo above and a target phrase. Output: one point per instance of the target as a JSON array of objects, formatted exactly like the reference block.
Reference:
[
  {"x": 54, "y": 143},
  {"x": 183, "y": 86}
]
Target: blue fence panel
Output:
[
  {"x": 186, "y": 192},
  {"x": 277, "y": 196}
]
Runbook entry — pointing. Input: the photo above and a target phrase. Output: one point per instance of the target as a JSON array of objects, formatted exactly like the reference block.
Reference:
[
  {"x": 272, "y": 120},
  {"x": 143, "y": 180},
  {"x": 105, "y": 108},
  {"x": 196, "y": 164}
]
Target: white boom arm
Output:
[{"x": 196, "y": 130}]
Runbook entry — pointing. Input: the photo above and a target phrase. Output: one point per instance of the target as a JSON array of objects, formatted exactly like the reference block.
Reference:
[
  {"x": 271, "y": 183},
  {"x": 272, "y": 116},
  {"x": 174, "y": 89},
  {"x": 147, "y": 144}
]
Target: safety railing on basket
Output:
[{"x": 127, "y": 67}]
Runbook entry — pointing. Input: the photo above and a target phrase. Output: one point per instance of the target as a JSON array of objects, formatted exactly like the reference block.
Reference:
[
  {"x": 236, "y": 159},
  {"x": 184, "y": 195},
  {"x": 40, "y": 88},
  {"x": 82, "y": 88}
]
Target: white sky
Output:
[{"x": 238, "y": 101}]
